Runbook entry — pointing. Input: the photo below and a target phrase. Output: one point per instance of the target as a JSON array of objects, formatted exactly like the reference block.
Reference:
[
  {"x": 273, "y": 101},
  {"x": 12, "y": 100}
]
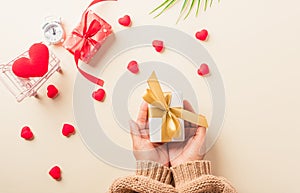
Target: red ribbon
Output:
[{"x": 87, "y": 34}]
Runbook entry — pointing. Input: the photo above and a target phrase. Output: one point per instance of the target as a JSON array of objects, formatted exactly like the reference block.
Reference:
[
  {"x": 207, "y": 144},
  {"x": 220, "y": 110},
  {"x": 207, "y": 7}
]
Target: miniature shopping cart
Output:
[{"x": 26, "y": 87}]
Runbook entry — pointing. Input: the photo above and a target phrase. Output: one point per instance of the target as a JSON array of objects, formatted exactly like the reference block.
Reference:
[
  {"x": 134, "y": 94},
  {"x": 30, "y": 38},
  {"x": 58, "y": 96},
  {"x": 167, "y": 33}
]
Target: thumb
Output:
[
  {"x": 199, "y": 138},
  {"x": 134, "y": 132}
]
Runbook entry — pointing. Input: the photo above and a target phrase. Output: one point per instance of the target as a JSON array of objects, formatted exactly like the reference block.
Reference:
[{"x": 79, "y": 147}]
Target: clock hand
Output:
[{"x": 54, "y": 32}]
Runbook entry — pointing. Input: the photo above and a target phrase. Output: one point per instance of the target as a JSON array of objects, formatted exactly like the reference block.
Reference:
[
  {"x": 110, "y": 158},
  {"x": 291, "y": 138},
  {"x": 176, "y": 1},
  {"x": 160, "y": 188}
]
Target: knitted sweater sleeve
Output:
[
  {"x": 150, "y": 177},
  {"x": 196, "y": 177}
]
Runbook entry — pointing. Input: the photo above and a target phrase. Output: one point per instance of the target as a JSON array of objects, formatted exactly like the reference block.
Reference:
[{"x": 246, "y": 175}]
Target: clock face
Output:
[{"x": 53, "y": 33}]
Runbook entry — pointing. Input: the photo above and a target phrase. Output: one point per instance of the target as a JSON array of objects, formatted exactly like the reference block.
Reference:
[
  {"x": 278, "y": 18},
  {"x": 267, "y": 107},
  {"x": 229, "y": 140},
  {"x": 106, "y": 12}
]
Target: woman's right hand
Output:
[{"x": 194, "y": 145}]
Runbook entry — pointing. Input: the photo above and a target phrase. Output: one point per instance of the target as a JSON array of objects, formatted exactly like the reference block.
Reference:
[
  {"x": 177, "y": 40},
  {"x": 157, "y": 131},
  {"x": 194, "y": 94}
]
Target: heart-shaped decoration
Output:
[
  {"x": 55, "y": 173},
  {"x": 202, "y": 35},
  {"x": 133, "y": 67},
  {"x": 158, "y": 45},
  {"x": 52, "y": 91},
  {"x": 203, "y": 70},
  {"x": 125, "y": 21},
  {"x": 26, "y": 133},
  {"x": 34, "y": 66},
  {"x": 99, "y": 95},
  {"x": 68, "y": 130}
]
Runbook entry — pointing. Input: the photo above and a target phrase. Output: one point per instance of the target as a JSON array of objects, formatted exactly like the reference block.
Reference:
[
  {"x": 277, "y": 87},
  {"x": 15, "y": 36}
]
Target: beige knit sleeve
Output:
[
  {"x": 154, "y": 170},
  {"x": 150, "y": 177},
  {"x": 196, "y": 177}
]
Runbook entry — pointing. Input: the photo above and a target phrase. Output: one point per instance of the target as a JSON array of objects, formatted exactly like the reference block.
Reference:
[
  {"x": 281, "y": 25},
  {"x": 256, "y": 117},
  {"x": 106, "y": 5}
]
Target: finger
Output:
[
  {"x": 203, "y": 148},
  {"x": 143, "y": 115},
  {"x": 190, "y": 132},
  {"x": 187, "y": 106},
  {"x": 134, "y": 132},
  {"x": 157, "y": 144},
  {"x": 137, "y": 131},
  {"x": 199, "y": 138},
  {"x": 187, "y": 124},
  {"x": 145, "y": 133}
]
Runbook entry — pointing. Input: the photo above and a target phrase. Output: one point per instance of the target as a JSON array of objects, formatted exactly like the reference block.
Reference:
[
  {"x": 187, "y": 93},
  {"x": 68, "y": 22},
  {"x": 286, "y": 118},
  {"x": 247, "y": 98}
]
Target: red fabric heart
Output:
[
  {"x": 99, "y": 95},
  {"x": 68, "y": 130},
  {"x": 133, "y": 67},
  {"x": 125, "y": 21},
  {"x": 158, "y": 45},
  {"x": 203, "y": 70},
  {"x": 202, "y": 35},
  {"x": 26, "y": 133},
  {"x": 55, "y": 173},
  {"x": 52, "y": 91},
  {"x": 34, "y": 66}
]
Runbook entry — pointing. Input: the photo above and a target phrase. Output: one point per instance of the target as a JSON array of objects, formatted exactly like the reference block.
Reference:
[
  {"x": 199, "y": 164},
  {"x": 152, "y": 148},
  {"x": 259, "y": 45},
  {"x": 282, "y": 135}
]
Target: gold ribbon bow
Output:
[{"x": 160, "y": 102}]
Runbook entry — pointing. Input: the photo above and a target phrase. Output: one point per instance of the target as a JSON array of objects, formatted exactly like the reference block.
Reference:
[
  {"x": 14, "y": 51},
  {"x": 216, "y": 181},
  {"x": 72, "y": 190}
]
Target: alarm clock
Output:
[{"x": 53, "y": 30}]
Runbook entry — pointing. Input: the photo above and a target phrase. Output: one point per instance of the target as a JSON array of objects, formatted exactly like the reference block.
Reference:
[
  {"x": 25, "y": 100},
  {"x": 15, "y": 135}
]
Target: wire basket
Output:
[{"x": 26, "y": 87}]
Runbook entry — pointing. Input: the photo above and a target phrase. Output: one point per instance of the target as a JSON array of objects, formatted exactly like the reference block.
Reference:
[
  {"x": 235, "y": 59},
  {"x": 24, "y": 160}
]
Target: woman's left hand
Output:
[{"x": 143, "y": 148}]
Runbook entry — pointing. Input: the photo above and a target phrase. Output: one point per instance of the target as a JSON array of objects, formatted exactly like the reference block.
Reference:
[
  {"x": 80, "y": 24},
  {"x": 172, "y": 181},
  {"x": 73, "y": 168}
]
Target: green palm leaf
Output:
[
  {"x": 161, "y": 5},
  {"x": 184, "y": 6},
  {"x": 168, "y": 3},
  {"x": 191, "y": 7},
  {"x": 205, "y": 5},
  {"x": 198, "y": 7},
  {"x": 171, "y": 2}
]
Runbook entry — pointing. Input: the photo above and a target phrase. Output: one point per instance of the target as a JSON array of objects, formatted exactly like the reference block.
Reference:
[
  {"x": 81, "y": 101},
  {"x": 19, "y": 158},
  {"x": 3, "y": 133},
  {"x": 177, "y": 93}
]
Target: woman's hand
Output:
[
  {"x": 143, "y": 148},
  {"x": 194, "y": 145}
]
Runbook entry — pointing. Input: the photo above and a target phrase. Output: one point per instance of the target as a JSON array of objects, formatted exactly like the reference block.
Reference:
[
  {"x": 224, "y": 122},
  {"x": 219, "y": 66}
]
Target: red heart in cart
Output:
[
  {"x": 52, "y": 91},
  {"x": 34, "y": 66}
]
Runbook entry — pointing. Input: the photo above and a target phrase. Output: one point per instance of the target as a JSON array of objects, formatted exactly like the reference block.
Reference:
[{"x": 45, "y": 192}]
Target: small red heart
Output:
[
  {"x": 125, "y": 21},
  {"x": 158, "y": 45},
  {"x": 202, "y": 35},
  {"x": 133, "y": 67},
  {"x": 52, "y": 91},
  {"x": 68, "y": 130},
  {"x": 99, "y": 95},
  {"x": 34, "y": 66},
  {"x": 55, "y": 173},
  {"x": 26, "y": 133},
  {"x": 203, "y": 70}
]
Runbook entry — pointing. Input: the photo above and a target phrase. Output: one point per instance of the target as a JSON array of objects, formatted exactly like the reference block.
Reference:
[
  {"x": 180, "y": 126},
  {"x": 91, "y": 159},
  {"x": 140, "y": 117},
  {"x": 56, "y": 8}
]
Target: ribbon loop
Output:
[
  {"x": 94, "y": 27},
  {"x": 160, "y": 103}
]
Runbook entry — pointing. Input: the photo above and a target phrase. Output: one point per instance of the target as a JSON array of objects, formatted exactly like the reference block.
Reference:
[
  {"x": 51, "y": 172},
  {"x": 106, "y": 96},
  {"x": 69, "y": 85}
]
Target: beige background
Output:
[{"x": 255, "y": 45}]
